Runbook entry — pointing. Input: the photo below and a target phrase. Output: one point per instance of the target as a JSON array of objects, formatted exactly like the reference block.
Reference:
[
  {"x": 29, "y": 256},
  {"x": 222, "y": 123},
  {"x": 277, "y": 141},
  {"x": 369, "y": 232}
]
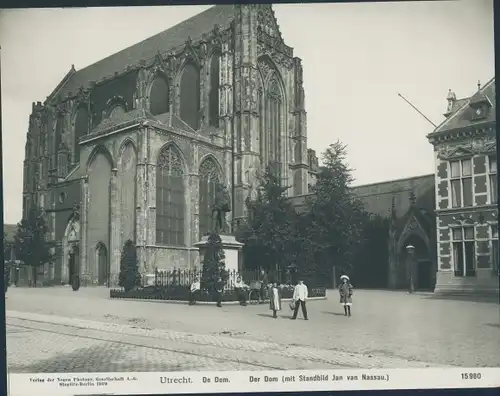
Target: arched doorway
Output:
[
  {"x": 71, "y": 251},
  {"x": 102, "y": 264},
  {"x": 73, "y": 261},
  {"x": 423, "y": 265}
]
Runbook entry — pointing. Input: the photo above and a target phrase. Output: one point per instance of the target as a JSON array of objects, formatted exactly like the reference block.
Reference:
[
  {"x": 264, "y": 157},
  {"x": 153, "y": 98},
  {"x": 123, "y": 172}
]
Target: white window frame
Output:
[
  {"x": 494, "y": 240},
  {"x": 461, "y": 177},
  {"x": 462, "y": 241},
  {"x": 492, "y": 174}
]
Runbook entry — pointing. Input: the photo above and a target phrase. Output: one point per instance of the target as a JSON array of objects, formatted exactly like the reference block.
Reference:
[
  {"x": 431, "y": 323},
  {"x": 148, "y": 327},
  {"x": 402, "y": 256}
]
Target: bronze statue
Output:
[{"x": 222, "y": 205}]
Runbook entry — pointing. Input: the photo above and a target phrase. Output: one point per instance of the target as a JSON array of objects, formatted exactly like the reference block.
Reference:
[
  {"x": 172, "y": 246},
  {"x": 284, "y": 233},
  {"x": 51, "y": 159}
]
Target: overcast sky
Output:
[{"x": 356, "y": 59}]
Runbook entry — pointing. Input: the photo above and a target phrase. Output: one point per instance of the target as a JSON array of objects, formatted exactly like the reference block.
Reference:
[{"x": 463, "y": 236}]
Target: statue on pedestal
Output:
[{"x": 221, "y": 206}]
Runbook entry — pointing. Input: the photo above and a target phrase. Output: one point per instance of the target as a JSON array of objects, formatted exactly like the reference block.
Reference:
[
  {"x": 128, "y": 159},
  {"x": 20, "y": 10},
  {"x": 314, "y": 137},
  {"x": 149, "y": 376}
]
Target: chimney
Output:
[{"x": 451, "y": 98}]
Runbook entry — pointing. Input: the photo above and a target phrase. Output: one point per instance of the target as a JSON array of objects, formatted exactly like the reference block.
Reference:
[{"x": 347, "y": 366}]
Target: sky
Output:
[{"x": 357, "y": 57}]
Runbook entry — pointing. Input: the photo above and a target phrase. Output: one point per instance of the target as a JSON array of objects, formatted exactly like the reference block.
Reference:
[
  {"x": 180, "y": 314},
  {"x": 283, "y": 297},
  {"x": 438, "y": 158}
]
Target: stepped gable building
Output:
[
  {"x": 131, "y": 147},
  {"x": 466, "y": 181}
]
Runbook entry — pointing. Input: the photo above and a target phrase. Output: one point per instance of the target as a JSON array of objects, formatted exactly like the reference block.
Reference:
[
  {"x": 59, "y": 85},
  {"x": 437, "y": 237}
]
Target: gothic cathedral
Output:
[{"x": 131, "y": 147}]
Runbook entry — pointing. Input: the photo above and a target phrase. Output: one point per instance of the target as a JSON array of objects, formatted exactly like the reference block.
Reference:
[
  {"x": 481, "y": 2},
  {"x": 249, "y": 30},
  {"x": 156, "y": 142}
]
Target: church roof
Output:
[
  {"x": 377, "y": 198},
  {"x": 462, "y": 115},
  {"x": 168, "y": 40}
]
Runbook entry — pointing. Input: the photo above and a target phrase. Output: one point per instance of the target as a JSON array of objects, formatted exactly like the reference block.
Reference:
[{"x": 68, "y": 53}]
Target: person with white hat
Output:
[{"x": 345, "y": 290}]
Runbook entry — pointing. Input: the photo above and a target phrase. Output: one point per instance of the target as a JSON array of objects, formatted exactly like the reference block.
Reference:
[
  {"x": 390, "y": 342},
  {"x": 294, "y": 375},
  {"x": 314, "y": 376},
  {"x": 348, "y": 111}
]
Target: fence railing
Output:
[{"x": 184, "y": 277}]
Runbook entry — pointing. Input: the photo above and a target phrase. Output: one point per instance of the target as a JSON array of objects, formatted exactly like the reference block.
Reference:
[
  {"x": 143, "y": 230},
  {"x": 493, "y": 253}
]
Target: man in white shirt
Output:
[
  {"x": 300, "y": 294},
  {"x": 194, "y": 291}
]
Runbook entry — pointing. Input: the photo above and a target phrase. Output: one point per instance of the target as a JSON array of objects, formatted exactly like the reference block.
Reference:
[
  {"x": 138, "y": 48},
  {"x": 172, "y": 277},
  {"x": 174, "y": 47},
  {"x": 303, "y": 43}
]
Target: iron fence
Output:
[{"x": 184, "y": 277}]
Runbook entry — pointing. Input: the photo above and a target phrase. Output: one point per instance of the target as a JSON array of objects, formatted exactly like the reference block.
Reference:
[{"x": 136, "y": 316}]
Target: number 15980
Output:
[{"x": 471, "y": 376}]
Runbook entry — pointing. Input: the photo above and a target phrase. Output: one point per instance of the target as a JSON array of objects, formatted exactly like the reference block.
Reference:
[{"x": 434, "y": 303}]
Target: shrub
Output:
[{"x": 129, "y": 276}]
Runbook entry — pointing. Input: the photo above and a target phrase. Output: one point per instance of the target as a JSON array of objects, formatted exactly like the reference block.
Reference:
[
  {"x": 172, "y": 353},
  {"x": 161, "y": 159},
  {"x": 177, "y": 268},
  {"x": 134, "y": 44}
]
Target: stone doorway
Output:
[
  {"x": 423, "y": 277},
  {"x": 102, "y": 265},
  {"x": 73, "y": 262}
]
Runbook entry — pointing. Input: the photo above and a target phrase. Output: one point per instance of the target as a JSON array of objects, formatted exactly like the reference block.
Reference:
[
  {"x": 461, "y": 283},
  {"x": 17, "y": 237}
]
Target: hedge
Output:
[{"x": 181, "y": 293}]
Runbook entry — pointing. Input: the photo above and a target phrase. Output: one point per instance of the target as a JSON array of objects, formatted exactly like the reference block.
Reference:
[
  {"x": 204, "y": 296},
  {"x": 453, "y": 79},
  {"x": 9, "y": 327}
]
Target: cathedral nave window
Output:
[
  {"x": 213, "y": 95},
  {"x": 159, "y": 99},
  {"x": 81, "y": 129},
  {"x": 170, "y": 204},
  {"x": 190, "y": 96}
]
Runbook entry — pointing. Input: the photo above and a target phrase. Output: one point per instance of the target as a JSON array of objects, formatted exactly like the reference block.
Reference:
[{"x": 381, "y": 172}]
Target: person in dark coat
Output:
[
  {"x": 219, "y": 291},
  {"x": 345, "y": 290}
]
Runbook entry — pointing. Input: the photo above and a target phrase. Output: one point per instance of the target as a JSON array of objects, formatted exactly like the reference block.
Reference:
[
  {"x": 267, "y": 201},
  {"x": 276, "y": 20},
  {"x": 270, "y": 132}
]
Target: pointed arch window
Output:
[
  {"x": 81, "y": 129},
  {"x": 170, "y": 203},
  {"x": 213, "y": 95},
  {"x": 159, "y": 99},
  {"x": 209, "y": 177},
  {"x": 190, "y": 95},
  {"x": 273, "y": 118},
  {"x": 58, "y": 139}
]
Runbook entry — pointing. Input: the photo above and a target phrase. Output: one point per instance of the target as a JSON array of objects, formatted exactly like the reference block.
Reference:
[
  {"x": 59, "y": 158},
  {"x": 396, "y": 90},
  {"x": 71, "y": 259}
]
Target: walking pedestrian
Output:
[
  {"x": 275, "y": 300},
  {"x": 240, "y": 287},
  {"x": 264, "y": 284},
  {"x": 194, "y": 291},
  {"x": 345, "y": 290},
  {"x": 219, "y": 291},
  {"x": 300, "y": 294}
]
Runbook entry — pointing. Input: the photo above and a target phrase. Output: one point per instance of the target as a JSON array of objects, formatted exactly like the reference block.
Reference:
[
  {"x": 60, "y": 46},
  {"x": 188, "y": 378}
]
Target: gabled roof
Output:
[
  {"x": 170, "y": 39},
  {"x": 463, "y": 113}
]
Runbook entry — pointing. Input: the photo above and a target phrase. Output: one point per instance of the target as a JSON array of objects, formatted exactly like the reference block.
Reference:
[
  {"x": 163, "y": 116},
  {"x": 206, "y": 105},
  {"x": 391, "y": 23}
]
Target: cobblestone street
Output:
[{"x": 56, "y": 329}]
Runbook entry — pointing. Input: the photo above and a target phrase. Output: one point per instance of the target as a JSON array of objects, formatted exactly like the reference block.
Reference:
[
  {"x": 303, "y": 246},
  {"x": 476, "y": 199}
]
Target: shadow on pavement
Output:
[
  {"x": 493, "y": 325},
  {"x": 467, "y": 298},
  {"x": 333, "y": 313}
]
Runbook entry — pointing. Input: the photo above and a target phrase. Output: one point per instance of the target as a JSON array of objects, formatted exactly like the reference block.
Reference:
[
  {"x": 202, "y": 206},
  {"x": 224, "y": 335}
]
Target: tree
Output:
[
  {"x": 336, "y": 215},
  {"x": 129, "y": 276},
  {"x": 270, "y": 234},
  {"x": 214, "y": 265},
  {"x": 31, "y": 243}
]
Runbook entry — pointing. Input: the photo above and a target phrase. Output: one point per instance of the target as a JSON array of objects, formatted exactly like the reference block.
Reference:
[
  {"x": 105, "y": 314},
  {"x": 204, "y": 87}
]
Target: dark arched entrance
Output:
[
  {"x": 73, "y": 262},
  {"x": 423, "y": 266},
  {"x": 102, "y": 265}
]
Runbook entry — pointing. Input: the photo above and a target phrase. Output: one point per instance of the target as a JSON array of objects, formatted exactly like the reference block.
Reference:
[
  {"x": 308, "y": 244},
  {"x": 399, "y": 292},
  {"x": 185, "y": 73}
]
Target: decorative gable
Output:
[{"x": 268, "y": 22}]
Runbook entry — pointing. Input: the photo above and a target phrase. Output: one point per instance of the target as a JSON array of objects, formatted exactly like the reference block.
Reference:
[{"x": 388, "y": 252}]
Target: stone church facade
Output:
[{"x": 131, "y": 147}]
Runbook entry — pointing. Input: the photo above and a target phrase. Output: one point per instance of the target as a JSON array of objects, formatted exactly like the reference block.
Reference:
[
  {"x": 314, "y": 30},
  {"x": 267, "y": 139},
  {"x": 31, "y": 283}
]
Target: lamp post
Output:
[{"x": 411, "y": 252}]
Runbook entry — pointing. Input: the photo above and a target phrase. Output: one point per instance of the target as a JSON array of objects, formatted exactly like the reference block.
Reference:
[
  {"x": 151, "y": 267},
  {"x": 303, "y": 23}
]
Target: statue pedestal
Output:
[{"x": 232, "y": 250}]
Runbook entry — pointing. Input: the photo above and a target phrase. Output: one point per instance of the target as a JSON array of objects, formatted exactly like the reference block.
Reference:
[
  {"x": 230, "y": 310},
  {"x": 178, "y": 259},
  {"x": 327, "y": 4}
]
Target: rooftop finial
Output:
[{"x": 478, "y": 85}]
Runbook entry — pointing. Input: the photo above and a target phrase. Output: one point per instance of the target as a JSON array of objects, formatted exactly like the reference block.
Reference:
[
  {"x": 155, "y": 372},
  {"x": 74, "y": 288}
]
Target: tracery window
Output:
[
  {"x": 213, "y": 95},
  {"x": 58, "y": 139},
  {"x": 273, "y": 127},
  {"x": 159, "y": 99},
  {"x": 81, "y": 129},
  {"x": 190, "y": 96},
  {"x": 209, "y": 177},
  {"x": 170, "y": 203}
]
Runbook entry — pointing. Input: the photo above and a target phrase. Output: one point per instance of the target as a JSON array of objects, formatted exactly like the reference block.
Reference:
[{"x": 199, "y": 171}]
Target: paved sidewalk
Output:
[
  {"x": 66, "y": 344},
  {"x": 386, "y": 324}
]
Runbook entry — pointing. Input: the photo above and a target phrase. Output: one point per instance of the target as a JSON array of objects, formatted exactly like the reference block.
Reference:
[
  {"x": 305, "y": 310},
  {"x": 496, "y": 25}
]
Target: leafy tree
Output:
[
  {"x": 31, "y": 243},
  {"x": 270, "y": 234},
  {"x": 336, "y": 215},
  {"x": 371, "y": 263},
  {"x": 214, "y": 265},
  {"x": 129, "y": 276}
]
